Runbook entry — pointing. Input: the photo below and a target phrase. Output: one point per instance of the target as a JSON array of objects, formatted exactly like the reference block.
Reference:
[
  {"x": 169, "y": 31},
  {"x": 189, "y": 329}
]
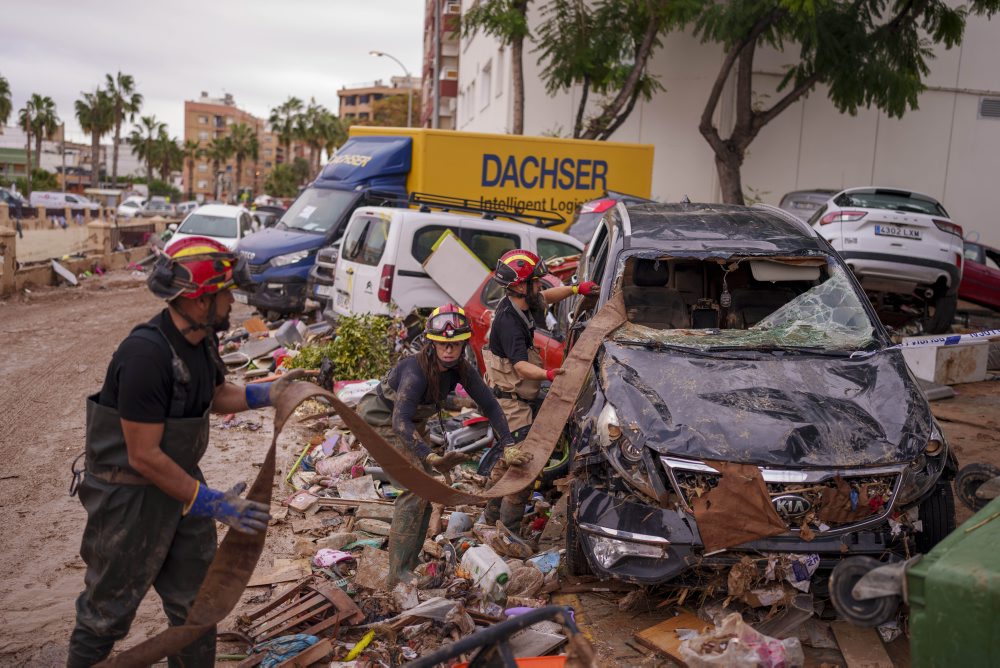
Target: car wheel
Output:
[
  {"x": 867, "y": 612},
  {"x": 576, "y": 560},
  {"x": 558, "y": 465},
  {"x": 969, "y": 479},
  {"x": 943, "y": 314},
  {"x": 937, "y": 517}
]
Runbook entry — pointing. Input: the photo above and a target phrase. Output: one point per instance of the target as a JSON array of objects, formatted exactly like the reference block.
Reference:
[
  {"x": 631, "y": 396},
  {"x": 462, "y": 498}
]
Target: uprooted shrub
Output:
[{"x": 364, "y": 347}]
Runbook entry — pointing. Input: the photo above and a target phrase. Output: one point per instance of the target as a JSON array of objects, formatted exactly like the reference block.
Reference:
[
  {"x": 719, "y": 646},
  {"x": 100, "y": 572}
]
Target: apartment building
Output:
[
  {"x": 208, "y": 118},
  {"x": 357, "y": 100},
  {"x": 440, "y": 70}
]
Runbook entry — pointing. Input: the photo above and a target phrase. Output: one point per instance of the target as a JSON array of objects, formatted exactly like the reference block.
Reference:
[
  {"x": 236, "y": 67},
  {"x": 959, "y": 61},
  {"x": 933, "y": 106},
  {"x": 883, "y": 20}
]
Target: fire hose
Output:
[{"x": 237, "y": 556}]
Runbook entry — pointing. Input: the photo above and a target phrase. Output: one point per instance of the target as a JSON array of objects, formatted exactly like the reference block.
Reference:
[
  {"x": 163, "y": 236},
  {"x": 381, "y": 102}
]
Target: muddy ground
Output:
[{"x": 55, "y": 345}]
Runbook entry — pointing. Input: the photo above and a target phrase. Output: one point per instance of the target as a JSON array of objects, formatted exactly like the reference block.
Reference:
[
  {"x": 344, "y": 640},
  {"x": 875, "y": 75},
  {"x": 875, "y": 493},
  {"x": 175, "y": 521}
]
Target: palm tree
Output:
[
  {"x": 192, "y": 152},
  {"x": 96, "y": 115},
  {"x": 283, "y": 121},
  {"x": 127, "y": 102},
  {"x": 45, "y": 121},
  {"x": 320, "y": 129},
  {"x": 25, "y": 118},
  {"x": 5, "y": 104},
  {"x": 167, "y": 155},
  {"x": 142, "y": 139},
  {"x": 219, "y": 151},
  {"x": 244, "y": 144}
]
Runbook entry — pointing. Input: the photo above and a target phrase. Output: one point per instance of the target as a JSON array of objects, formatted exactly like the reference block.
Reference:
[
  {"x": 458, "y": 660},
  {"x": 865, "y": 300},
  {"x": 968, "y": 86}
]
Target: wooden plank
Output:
[
  {"x": 310, "y": 656},
  {"x": 282, "y": 572},
  {"x": 275, "y": 602},
  {"x": 663, "y": 636},
  {"x": 862, "y": 648},
  {"x": 295, "y": 609}
]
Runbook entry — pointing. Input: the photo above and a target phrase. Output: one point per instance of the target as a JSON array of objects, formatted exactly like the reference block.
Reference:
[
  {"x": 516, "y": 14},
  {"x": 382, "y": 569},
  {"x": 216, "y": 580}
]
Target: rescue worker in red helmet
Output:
[
  {"x": 514, "y": 367},
  {"x": 399, "y": 407},
  {"x": 150, "y": 514}
]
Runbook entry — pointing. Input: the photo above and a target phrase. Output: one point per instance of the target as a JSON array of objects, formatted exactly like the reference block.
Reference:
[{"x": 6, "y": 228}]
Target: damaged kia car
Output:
[{"x": 750, "y": 404}]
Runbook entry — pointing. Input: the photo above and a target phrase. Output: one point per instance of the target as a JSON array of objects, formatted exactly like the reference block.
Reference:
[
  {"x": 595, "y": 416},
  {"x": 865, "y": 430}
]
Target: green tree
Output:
[
  {"x": 219, "y": 151},
  {"x": 320, "y": 129},
  {"x": 43, "y": 179},
  {"x": 605, "y": 48},
  {"x": 25, "y": 117},
  {"x": 6, "y": 107},
  {"x": 867, "y": 53},
  {"x": 281, "y": 182},
  {"x": 126, "y": 102},
  {"x": 300, "y": 170},
  {"x": 192, "y": 152},
  {"x": 507, "y": 21},
  {"x": 167, "y": 154},
  {"x": 45, "y": 121},
  {"x": 390, "y": 111},
  {"x": 243, "y": 140},
  {"x": 95, "y": 112},
  {"x": 142, "y": 139},
  {"x": 284, "y": 123}
]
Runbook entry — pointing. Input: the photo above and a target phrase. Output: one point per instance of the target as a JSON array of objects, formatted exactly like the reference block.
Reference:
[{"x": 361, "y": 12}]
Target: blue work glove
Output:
[
  {"x": 261, "y": 395},
  {"x": 243, "y": 515}
]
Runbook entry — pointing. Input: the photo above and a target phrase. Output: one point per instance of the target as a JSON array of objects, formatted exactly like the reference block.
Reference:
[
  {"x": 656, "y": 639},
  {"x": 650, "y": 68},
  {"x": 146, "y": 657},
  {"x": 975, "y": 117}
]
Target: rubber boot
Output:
[{"x": 410, "y": 520}]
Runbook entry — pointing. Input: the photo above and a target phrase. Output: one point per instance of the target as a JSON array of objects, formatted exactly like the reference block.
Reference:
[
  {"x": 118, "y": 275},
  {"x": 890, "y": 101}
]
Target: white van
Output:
[
  {"x": 53, "y": 200},
  {"x": 383, "y": 250}
]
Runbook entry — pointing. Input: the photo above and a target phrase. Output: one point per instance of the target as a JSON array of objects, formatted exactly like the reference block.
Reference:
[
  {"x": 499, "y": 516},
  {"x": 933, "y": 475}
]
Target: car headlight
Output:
[
  {"x": 289, "y": 258},
  {"x": 925, "y": 469},
  {"x": 609, "y": 551}
]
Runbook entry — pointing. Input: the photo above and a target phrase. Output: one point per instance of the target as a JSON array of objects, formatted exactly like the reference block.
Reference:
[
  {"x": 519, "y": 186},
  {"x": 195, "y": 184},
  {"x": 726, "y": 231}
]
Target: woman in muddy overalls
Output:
[
  {"x": 410, "y": 394},
  {"x": 513, "y": 366}
]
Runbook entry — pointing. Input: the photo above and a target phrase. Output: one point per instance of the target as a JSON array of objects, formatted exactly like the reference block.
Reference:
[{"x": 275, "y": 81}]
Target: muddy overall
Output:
[
  {"x": 515, "y": 396},
  {"x": 136, "y": 536},
  {"x": 411, "y": 515}
]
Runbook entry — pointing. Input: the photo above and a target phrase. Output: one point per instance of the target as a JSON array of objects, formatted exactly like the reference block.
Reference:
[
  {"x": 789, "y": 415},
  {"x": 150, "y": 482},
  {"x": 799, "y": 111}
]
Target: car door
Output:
[
  {"x": 360, "y": 264},
  {"x": 343, "y": 277},
  {"x": 592, "y": 268}
]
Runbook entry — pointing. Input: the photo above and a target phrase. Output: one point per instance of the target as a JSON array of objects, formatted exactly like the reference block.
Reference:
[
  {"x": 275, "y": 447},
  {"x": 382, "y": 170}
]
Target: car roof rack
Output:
[{"x": 490, "y": 210}]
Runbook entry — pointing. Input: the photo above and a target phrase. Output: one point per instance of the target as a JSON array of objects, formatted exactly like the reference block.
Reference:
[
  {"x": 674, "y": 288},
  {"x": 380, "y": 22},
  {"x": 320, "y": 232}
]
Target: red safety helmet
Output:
[
  {"x": 196, "y": 266},
  {"x": 447, "y": 323},
  {"x": 518, "y": 266}
]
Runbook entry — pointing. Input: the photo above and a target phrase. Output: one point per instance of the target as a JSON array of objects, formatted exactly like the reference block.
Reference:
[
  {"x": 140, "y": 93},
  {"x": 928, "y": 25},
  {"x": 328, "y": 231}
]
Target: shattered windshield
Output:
[{"x": 726, "y": 306}]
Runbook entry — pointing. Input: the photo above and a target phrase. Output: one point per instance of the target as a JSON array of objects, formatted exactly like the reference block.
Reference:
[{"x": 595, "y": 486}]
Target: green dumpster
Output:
[{"x": 954, "y": 596}]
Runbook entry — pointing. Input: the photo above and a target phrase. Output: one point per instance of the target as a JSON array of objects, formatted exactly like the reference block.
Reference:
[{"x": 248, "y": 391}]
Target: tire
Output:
[
  {"x": 941, "y": 319},
  {"x": 968, "y": 481},
  {"x": 866, "y": 613},
  {"x": 937, "y": 516},
  {"x": 560, "y": 466},
  {"x": 576, "y": 560}
]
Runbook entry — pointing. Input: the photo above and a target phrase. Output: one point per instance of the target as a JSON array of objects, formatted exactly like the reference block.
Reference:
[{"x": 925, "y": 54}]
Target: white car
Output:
[
  {"x": 59, "y": 200},
  {"x": 225, "y": 223},
  {"x": 902, "y": 246},
  {"x": 381, "y": 264},
  {"x": 131, "y": 207}
]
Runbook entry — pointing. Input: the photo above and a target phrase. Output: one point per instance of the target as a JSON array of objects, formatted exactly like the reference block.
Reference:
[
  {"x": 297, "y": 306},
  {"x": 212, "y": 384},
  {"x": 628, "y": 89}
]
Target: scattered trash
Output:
[
  {"x": 487, "y": 570},
  {"x": 734, "y": 644},
  {"x": 326, "y": 557}
]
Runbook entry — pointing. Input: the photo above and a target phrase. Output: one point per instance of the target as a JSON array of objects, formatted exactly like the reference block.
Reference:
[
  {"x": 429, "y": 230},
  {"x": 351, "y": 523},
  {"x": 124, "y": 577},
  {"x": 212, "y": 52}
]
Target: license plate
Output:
[
  {"x": 241, "y": 297},
  {"x": 343, "y": 300},
  {"x": 897, "y": 231},
  {"x": 323, "y": 290}
]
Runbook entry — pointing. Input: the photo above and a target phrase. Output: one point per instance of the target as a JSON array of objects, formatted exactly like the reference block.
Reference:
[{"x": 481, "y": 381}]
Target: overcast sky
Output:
[{"x": 261, "y": 52}]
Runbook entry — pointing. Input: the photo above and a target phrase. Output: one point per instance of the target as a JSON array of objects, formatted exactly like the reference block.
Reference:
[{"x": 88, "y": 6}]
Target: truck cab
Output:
[{"x": 280, "y": 257}]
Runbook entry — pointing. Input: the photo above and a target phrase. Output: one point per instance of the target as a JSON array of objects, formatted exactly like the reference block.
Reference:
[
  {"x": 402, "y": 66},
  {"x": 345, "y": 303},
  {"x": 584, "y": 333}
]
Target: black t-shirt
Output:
[
  {"x": 407, "y": 379},
  {"x": 140, "y": 378},
  {"x": 510, "y": 336}
]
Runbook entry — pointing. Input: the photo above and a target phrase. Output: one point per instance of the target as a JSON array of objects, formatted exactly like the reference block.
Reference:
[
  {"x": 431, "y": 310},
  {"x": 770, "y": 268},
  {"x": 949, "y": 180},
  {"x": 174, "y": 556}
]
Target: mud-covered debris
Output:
[
  {"x": 525, "y": 581},
  {"x": 734, "y": 644}
]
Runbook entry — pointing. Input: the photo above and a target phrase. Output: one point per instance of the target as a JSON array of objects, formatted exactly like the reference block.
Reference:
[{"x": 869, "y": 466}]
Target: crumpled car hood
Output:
[{"x": 773, "y": 411}]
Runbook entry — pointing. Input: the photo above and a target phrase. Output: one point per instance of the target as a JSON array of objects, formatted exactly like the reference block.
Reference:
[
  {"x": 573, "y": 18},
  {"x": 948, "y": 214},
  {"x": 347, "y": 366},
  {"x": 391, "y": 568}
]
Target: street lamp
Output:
[{"x": 409, "y": 86}]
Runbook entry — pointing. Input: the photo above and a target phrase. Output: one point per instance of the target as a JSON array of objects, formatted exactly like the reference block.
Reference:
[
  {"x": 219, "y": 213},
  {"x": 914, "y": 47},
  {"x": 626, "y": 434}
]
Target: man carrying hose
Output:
[
  {"x": 150, "y": 515},
  {"x": 514, "y": 367}
]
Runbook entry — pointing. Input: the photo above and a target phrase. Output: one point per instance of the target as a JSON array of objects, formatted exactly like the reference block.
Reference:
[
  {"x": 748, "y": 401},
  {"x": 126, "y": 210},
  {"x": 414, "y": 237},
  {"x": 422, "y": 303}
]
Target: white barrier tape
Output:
[{"x": 950, "y": 340}]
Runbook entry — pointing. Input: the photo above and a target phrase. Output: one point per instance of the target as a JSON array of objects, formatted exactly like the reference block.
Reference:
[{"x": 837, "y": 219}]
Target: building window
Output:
[
  {"x": 203, "y": 120},
  {"x": 499, "y": 76},
  {"x": 203, "y": 167},
  {"x": 268, "y": 152},
  {"x": 363, "y": 115},
  {"x": 377, "y": 96},
  {"x": 202, "y": 185},
  {"x": 219, "y": 122},
  {"x": 486, "y": 88},
  {"x": 267, "y": 164},
  {"x": 364, "y": 99},
  {"x": 203, "y": 135}
]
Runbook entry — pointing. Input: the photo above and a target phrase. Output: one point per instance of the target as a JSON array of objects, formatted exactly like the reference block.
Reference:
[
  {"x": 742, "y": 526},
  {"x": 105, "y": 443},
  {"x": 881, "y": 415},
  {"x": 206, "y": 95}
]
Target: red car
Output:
[
  {"x": 481, "y": 307},
  {"x": 981, "y": 276}
]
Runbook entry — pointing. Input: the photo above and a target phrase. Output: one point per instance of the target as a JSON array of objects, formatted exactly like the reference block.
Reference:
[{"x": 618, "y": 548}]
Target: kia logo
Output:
[{"x": 791, "y": 505}]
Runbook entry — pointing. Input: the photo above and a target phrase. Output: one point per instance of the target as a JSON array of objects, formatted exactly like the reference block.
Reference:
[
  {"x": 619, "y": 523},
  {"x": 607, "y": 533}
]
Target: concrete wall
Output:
[{"x": 943, "y": 149}]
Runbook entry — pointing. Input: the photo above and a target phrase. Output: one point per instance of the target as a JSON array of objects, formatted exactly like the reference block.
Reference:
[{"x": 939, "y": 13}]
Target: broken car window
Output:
[{"x": 713, "y": 304}]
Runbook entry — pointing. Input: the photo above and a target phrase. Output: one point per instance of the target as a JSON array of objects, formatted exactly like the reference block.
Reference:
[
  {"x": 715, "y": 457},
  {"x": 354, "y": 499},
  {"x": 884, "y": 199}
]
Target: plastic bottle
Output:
[{"x": 489, "y": 572}]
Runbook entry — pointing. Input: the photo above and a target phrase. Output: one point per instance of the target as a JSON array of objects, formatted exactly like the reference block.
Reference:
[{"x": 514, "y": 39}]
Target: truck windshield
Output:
[{"x": 317, "y": 210}]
